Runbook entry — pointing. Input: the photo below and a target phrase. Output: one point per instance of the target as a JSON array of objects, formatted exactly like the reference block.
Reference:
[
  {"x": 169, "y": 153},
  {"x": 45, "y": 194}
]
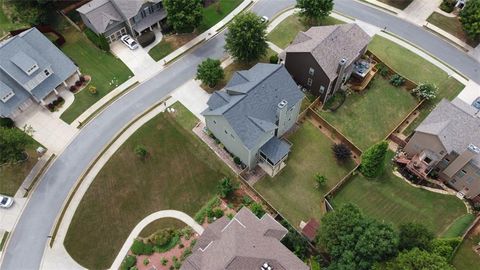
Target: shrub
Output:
[
  {"x": 146, "y": 261},
  {"x": 341, "y": 152},
  {"x": 246, "y": 200},
  {"x": 82, "y": 79},
  {"x": 448, "y": 5},
  {"x": 148, "y": 249},
  {"x": 78, "y": 83},
  {"x": 6, "y": 122},
  {"x": 218, "y": 213},
  {"x": 320, "y": 180},
  {"x": 146, "y": 39},
  {"x": 164, "y": 261},
  {"x": 382, "y": 69},
  {"x": 426, "y": 91},
  {"x": 141, "y": 151},
  {"x": 128, "y": 262},
  {"x": 98, "y": 40},
  {"x": 397, "y": 80},
  {"x": 163, "y": 237},
  {"x": 257, "y": 209},
  {"x": 225, "y": 187},
  {"x": 185, "y": 253},
  {"x": 92, "y": 90},
  {"x": 237, "y": 160},
  {"x": 415, "y": 235},
  {"x": 73, "y": 88},
  {"x": 373, "y": 160},
  {"x": 445, "y": 246},
  {"x": 138, "y": 247},
  {"x": 181, "y": 246},
  {"x": 274, "y": 59},
  {"x": 230, "y": 216}
]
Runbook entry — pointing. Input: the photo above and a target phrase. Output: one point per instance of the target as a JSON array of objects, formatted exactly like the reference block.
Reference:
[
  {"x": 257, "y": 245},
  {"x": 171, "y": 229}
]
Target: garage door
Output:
[{"x": 117, "y": 35}]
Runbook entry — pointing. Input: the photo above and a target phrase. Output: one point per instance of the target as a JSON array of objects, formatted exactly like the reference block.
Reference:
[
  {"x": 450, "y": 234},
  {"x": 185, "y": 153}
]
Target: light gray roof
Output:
[
  {"x": 275, "y": 149},
  {"x": 245, "y": 242},
  {"x": 31, "y": 45},
  {"x": 329, "y": 44},
  {"x": 456, "y": 125},
  {"x": 249, "y": 101},
  {"x": 129, "y": 8},
  {"x": 101, "y": 14}
]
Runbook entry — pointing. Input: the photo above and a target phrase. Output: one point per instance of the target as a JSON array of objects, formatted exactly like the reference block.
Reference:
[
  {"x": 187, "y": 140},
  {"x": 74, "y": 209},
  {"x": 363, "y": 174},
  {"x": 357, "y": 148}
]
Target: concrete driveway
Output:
[
  {"x": 49, "y": 130},
  {"x": 419, "y": 10},
  {"x": 193, "y": 97}
]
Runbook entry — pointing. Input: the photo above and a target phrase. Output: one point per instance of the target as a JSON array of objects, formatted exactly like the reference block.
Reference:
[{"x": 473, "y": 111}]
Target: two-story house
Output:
[
  {"x": 447, "y": 142},
  {"x": 115, "y": 18},
  {"x": 253, "y": 111},
  {"x": 322, "y": 58},
  {"x": 31, "y": 69}
]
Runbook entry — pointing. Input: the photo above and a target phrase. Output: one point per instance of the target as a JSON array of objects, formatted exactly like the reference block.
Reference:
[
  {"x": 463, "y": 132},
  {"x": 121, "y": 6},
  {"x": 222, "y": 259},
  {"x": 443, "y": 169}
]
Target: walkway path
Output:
[{"x": 149, "y": 219}]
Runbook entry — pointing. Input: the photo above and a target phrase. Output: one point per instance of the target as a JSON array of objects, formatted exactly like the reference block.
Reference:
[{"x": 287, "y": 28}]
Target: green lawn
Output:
[
  {"x": 12, "y": 176},
  {"x": 107, "y": 72},
  {"x": 285, "y": 32},
  {"x": 169, "y": 44},
  {"x": 458, "y": 228},
  {"x": 417, "y": 69},
  {"x": 368, "y": 117},
  {"x": 400, "y": 4},
  {"x": 466, "y": 258},
  {"x": 389, "y": 198},
  {"x": 6, "y": 23},
  {"x": 451, "y": 25},
  {"x": 180, "y": 173},
  {"x": 216, "y": 12},
  {"x": 292, "y": 192}
]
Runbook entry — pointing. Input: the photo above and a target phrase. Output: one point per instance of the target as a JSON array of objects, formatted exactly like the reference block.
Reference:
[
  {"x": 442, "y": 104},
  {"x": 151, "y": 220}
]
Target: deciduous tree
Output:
[
  {"x": 183, "y": 15},
  {"x": 315, "y": 10},
  {"x": 415, "y": 235},
  {"x": 418, "y": 259},
  {"x": 210, "y": 72},
  {"x": 470, "y": 18},
  {"x": 12, "y": 144}
]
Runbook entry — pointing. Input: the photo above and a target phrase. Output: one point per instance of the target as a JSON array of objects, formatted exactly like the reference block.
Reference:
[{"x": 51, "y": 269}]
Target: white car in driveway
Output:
[
  {"x": 129, "y": 42},
  {"x": 5, "y": 201}
]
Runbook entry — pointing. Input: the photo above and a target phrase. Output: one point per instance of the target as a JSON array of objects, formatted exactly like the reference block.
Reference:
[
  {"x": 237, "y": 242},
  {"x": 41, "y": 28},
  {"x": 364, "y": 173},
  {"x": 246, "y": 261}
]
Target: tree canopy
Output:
[
  {"x": 184, "y": 15},
  {"x": 415, "y": 235},
  {"x": 210, "y": 72},
  {"x": 426, "y": 91},
  {"x": 373, "y": 160},
  {"x": 12, "y": 144},
  {"x": 418, "y": 259},
  {"x": 315, "y": 10},
  {"x": 246, "y": 37},
  {"x": 470, "y": 18}
]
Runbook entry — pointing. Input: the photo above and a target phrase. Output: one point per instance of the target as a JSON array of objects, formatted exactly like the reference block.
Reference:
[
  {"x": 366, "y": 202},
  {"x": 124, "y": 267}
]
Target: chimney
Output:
[
  {"x": 282, "y": 109},
  {"x": 342, "y": 65},
  {"x": 462, "y": 160}
]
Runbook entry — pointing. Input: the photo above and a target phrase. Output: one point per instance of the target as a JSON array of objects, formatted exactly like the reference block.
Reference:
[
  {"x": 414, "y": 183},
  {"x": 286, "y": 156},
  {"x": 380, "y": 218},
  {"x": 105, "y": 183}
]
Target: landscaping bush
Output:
[
  {"x": 141, "y": 151},
  {"x": 148, "y": 249},
  {"x": 225, "y": 187},
  {"x": 397, "y": 80},
  {"x": 257, "y": 209},
  {"x": 448, "y": 5},
  {"x": 163, "y": 237},
  {"x": 186, "y": 253},
  {"x": 146, "y": 261},
  {"x": 6, "y": 122},
  {"x": 73, "y": 89},
  {"x": 82, "y": 79},
  {"x": 128, "y": 262},
  {"x": 237, "y": 160},
  {"x": 445, "y": 246},
  {"x": 164, "y": 261},
  {"x": 210, "y": 72},
  {"x": 98, "y": 40},
  {"x": 341, "y": 152},
  {"x": 146, "y": 39},
  {"x": 246, "y": 200},
  {"x": 78, "y": 83},
  {"x": 382, "y": 69},
  {"x": 426, "y": 91},
  {"x": 274, "y": 59},
  {"x": 138, "y": 247},
  {"x": 320, "y": 180},
  {"x": 92, "y": 90}
]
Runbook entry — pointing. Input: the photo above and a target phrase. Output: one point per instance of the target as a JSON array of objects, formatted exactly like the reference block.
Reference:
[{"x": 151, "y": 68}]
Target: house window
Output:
[
  {"x": 427, "y": 160},
  {"x": 461, "y": 173},
  {"x": 309, "y": 82},
  {"x": 311, "y": 71},
  {"x": 453, "y": 181},
  {"x": 322, "y": 89}
]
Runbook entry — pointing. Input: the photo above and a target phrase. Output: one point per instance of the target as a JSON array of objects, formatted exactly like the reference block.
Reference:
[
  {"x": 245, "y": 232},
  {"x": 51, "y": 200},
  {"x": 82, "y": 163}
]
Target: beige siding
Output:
[{"x": 422, "y": 141}]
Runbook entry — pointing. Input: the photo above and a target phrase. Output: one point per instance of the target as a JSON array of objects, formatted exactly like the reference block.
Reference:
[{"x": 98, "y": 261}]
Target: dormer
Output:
[
  {"x": 25, "y": 63},
  {"x": 6, "y": 93}
]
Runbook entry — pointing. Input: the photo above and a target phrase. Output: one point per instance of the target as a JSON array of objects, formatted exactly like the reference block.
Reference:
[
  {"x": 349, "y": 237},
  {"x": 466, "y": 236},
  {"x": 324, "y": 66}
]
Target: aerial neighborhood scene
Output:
[{"x": 240, "y": 134}]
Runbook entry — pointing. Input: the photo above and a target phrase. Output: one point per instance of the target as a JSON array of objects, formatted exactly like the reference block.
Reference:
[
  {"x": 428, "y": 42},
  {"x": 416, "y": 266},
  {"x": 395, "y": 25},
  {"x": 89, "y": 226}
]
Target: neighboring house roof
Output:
[
  {"x": 456, "y": 124},
  {"x": 329, "y": 44},
  {"x": 23, "y": 60},
  {"x": 245, "y": 242},
  {"x": 101, "y": 14},
  {"x": 250, "y": 100}
]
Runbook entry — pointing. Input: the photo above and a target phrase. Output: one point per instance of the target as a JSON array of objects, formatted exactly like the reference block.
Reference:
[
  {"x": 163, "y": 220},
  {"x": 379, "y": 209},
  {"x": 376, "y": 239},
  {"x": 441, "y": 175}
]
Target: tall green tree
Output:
[
  {"x": 470, "y": 18},
  {"x": 246, "y": 38},
  {"x": 417, "y": 259},
  {"x": 184, "y": 15},
  {"x": 12, "y": 144},
  {"x": 315, "y": 10},
  {"x": 210, "y": 72},
  {"x": 415, "y": 235},
  {"x": 32, "y": 12},
  {"x": 373, "y": 160},
  {"x": 354, "y": 241}
]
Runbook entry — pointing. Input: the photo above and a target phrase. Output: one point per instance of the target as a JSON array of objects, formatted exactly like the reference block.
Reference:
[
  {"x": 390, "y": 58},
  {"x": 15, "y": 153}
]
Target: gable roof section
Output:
[
  {"x": 249, "y": 101},
  {"x": 329, "y": 44},
  {"x": 100, "y": 13},
  {"x": 455, "y": 124},
  {"x": 245, "y": 242}
]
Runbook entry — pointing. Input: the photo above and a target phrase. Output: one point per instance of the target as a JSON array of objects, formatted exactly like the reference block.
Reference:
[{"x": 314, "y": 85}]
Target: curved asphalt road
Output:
[{"x": 27, "y": 243}]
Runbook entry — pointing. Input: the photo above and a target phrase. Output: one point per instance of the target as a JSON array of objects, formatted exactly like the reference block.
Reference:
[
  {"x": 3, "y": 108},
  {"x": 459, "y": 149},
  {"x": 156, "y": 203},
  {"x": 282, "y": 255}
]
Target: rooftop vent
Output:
[
  {"x": 282, "y": 104},
  {"x": 266, "y": 266}
]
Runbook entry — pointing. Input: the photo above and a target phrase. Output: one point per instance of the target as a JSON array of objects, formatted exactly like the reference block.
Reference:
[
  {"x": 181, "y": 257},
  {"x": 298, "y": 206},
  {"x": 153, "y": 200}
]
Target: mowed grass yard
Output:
[
  {"x": 465, "y": 258},
  {"x": 453, "y": 26},
  {"x": 180, "y": 172},
  {"x": 390, "y": 199},
  {"x": 417, "y": 69},
  {"x": 366, "y": 118},
  {"x": 293, "y": 192},
  {"x": 106, "y": 70},
  {"x": 284, "y": 33}
]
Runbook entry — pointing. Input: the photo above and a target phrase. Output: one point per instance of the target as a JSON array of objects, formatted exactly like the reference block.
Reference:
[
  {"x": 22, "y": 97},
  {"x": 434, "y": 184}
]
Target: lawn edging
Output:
[{"x": 59, "y": 219}]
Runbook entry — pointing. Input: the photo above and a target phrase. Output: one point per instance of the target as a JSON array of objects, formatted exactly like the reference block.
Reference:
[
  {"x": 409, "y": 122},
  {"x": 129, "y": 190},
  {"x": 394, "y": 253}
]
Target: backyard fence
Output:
[
  {"x": 467, "y": 232},
  {"x": 43, "y": 29},
  {"x": 409, "y": 84}
]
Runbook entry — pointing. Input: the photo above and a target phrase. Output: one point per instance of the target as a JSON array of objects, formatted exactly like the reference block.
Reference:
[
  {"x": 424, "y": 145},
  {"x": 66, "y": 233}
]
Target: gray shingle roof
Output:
[
  {"x": 275, "y": 149},
  {"x": 329, "y": 44},
  {"x": 245, "y": 242},
  {"x": 34, "y": 46},
  {"x": 249, "y": 101},
  {"x": 455, "y": 124},
  {"x": 101, "y": 14}
]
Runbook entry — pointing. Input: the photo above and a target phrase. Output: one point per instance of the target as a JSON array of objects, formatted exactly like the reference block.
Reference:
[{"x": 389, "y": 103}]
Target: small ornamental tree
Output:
[
  {"x": 12, "y": 144},
  {"x": 225, "y": 187},
  {"x": 342, "y": 152},
  {"x": 426, "y": 91},
  {"x": 470, "y": 18},
  {"x": 141, "y": 151},
  {"x": 373, "y": 160},
  {"x": 315, "y": 10},
  {"x": 320, "y": 180},
  {"x": 415, "y": 235},
  {"x": 210, "y": 72},
  {"x": 183, "y": 15},
  {"x": 246, "y": 37}
]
